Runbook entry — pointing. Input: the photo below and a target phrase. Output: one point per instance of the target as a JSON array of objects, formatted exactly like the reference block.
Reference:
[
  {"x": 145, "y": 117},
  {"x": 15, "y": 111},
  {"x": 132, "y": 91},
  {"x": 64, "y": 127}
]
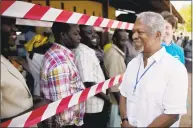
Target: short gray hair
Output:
[{"x": 153, "y": 20}]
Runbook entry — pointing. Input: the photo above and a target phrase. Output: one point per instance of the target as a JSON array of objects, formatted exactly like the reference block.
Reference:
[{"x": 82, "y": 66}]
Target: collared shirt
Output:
[
  {"x": 90, "y": 71},
  {"x": 175, "y": 50},
  {"x": 59, "y": 79},
  {"x": 35, "y": 67},
  {"x": 162, "y": 90},
  {"x": 114, "y": 64},
  {"x": 107, "y": 47},
  {"x": 100, "y": 54}
]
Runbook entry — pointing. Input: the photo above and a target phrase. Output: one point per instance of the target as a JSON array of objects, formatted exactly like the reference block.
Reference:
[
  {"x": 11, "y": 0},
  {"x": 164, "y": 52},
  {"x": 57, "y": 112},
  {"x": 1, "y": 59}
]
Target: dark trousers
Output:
[
  {"x": 71, "y": 126},
  {"x": 97, "y": 120},
  {"x": 188, "y": 65},
  {"x": 94, "y": 120}
]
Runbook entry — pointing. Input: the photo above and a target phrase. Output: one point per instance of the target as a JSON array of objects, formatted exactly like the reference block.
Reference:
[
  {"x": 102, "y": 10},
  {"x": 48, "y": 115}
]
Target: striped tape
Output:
[
  {"x": 33, "y": 117},
  {"x": 19, "y": 9}
]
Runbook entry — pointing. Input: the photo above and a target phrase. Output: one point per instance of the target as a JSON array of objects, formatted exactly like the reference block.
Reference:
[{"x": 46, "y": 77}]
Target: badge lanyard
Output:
[{"x": 137, "y": 81}]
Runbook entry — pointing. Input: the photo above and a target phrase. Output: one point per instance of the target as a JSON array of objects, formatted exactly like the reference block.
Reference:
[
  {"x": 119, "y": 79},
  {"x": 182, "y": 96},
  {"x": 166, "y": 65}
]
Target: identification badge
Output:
[{"x": 132, "y": 97}]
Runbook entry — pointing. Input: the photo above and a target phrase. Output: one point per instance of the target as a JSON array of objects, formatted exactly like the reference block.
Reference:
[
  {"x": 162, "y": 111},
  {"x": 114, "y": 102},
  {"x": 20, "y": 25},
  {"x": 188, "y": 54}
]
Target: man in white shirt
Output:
[
  {"x": 91, "y": 73},
  {"x": 155, "y": 85}
]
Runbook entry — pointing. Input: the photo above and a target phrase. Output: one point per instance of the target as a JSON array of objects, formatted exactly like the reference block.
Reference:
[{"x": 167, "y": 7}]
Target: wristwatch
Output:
[{"x": 124, "y": 119}]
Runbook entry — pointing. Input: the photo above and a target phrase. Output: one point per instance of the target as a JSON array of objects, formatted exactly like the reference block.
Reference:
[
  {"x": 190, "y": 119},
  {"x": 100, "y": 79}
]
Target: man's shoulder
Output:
[
  {"x": 82, "y": 48},
  {"x": 84, "y": 51},
  {"x": 56, "y": 54},
  {"x": 172, "y": 64},
  {"x": 177, "y": 47},
  {"x": 54, "y": 58},
  {"x": 174, "y": 49},
  {"x": 112, "y": 52}
]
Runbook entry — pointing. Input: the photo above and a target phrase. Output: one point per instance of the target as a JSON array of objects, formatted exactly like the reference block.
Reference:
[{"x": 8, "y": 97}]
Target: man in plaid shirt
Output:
[{"x": 60, "y": 77}]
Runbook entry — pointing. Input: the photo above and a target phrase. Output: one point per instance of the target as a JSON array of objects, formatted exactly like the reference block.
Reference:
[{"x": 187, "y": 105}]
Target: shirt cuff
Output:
[
  {"x": 122, "y": 92},
  {"x": 181, "y": 111}
]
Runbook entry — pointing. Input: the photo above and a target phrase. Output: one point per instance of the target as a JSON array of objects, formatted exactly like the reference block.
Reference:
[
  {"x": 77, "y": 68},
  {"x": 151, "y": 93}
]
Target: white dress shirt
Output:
[
  {"x": 35, "y": 66},
  {"x": 90, "y": 71},
  {"x": 163, "y": 88}
]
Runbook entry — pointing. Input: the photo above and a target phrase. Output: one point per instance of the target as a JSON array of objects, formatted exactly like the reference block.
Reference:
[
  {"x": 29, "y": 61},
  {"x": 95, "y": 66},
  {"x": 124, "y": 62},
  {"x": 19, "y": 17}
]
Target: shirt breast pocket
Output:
[{"x": 156, "y": 89}]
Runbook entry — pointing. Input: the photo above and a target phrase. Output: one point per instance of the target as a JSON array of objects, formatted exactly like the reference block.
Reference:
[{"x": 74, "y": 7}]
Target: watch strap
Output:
[{"x": 124, "y": 119}]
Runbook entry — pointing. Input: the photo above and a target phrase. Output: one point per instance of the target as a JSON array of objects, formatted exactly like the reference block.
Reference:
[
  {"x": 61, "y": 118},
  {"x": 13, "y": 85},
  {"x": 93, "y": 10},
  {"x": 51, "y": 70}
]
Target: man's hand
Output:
[{"x": 125, "y": 124}]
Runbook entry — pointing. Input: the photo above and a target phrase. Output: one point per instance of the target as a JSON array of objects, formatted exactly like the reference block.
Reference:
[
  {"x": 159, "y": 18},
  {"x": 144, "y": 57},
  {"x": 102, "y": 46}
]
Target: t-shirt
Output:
[{"x": 174, "y": 50}]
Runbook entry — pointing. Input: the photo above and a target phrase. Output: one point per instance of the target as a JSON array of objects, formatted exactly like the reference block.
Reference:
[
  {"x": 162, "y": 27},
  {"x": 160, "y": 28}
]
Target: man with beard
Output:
[
  {"x": 91, "y": 39},
  {"x": 155, "y": 85},
  {"x": 114, "y": 62},
  {"x": 91, "y": 73},
  {"x": 60, "y": 77}
]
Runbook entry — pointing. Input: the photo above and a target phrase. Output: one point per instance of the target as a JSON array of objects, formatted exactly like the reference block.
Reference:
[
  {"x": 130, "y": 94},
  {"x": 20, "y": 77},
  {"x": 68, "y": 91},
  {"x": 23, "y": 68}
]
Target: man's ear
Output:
[
  {"x": 158, "y": 35},
  {"x": 114, "y": 39}
]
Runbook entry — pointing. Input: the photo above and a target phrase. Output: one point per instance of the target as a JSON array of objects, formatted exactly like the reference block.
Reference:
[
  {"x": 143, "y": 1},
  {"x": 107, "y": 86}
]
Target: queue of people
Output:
[{"x": 153, "y": 91}]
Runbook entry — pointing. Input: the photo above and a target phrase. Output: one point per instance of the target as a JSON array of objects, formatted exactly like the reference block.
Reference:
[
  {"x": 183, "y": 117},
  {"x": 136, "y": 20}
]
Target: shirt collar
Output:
[
  {"x": 83, "y": 48},
  {"x": 119, "y": 50},
  {"x": 156, "y": 56},
  {"x": 64, "y": 49},
  {"x": 159, "y": 54}
]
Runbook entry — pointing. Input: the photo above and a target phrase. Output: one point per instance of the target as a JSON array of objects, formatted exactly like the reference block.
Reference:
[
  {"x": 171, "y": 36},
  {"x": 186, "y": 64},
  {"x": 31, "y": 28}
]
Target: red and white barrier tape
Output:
[
  {"x": 33, "y": 117},
  {"x": 19, "y": 9}
]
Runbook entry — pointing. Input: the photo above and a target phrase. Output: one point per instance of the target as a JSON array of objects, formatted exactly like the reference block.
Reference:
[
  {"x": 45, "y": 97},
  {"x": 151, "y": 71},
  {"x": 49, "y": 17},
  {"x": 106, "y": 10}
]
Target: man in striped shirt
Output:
[
  {"x": 60, "y": 77},
  {"x": 88, "y": 64}
]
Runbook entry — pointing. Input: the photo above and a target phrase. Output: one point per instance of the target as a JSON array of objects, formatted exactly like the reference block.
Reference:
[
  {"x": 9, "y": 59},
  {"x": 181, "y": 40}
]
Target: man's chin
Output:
[
  {"x": 12, "y": 44},
  {"x": 165, "y": 41},
  {"x": 94, "y": 44},
  {"x": 138, "y": 43}
]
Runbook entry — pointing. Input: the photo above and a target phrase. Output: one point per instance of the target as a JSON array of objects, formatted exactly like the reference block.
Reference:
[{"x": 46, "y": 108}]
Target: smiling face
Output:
[
  {"x": 168, "y": 32},
  {"x": 140, "y": 35},
  {"x": 89, "y": 36},
  {"x": 9, "y": 32},
  {"x": 170, "y": 25},
  {"x": 143, "y": 38}
]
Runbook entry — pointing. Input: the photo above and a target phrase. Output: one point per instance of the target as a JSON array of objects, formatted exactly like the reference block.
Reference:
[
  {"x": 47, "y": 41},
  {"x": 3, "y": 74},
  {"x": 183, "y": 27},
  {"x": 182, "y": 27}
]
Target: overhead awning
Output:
[
  {"x": 164, "y": 5},
  {"x": 145, "y": 5}
]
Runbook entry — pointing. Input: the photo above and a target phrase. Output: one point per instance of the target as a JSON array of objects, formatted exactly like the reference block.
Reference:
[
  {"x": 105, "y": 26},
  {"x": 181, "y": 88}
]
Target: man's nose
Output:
[
  {"x": 79, "y": 37},
  {"x": 95, "y": 35},
  {"x": 135, "y": 35}
]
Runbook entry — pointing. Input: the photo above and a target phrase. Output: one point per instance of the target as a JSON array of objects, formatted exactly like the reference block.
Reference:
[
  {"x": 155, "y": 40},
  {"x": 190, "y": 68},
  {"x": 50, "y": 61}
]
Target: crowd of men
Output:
[
  {"x": 153, "y": 92},
  {"x": 186, "y": 44}
]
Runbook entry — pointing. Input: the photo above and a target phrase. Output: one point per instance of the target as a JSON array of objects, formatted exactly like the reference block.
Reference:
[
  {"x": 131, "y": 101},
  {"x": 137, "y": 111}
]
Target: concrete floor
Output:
[{"x": 186, "y": 120}]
